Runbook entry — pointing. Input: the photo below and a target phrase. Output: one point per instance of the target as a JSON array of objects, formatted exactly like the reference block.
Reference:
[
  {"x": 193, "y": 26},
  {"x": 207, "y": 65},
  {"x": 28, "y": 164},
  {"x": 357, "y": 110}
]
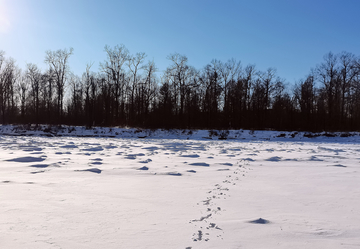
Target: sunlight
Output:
[{"x": 4, "y": 19}]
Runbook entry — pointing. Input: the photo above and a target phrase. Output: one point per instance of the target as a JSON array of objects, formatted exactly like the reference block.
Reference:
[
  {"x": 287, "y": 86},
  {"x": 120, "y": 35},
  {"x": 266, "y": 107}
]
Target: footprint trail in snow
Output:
[{"x": 206, "y": 226}]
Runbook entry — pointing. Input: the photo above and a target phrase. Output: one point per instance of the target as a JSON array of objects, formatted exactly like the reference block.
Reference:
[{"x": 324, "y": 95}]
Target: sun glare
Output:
[{"x": 4, "y": 18}]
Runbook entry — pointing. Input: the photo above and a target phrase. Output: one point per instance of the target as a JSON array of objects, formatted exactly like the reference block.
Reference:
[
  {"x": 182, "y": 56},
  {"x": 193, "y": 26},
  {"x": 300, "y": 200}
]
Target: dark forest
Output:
[{"x": 223, "y": 95}]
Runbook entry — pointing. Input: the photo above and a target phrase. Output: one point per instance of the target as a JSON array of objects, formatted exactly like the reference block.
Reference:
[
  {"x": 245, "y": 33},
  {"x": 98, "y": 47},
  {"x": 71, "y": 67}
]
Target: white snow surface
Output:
[{"x": 131, "y": 188}]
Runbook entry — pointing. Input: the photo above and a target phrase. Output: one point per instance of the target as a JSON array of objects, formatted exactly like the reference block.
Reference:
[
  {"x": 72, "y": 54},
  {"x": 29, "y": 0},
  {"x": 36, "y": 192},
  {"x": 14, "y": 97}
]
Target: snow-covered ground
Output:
[{"x": 124, "y": 188}]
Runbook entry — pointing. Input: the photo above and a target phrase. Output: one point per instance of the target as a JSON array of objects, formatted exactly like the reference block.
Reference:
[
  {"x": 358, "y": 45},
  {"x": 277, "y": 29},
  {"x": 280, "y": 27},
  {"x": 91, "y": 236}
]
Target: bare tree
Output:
[
  {"x": 75, "y": 107},
  {"x": 211, "y": 103},
  {"x": 269, "y": 80},
  {"x": 34, "y": 75},
  {"x": 229, "y": 72},
  {"x": 59, "y": 63},
  {"x": 150, "y": 83},
  {"x": 22, "y": 89},
  {"x": 348, "y": 72},
  {"x": 328, "y": 75},
  {"x": 8, "y": 77},
  {"x": 248, "y": 78},
  {"x": 90, "y": 92},
  {"x": 113, "y": 68},
  {"x": 134, "y": 65},
  {"x": 48, "y": 88},
  {"x": 2, "y": 58},
  {"x": 178, "y": 75}
]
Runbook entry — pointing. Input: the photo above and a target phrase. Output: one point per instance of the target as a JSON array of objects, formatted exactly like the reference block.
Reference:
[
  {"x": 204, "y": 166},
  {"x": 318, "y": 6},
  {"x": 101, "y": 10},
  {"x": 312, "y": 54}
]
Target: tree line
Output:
[{"x": 223, "y": 95}]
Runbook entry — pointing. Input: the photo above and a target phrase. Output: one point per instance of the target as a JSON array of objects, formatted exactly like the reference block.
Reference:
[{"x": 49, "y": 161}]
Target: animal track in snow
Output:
[{"x": 212, "y": 208}]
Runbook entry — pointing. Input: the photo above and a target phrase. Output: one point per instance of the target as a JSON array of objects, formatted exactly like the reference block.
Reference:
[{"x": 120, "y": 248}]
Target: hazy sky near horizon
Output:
[{"x": 289, "y": 35}]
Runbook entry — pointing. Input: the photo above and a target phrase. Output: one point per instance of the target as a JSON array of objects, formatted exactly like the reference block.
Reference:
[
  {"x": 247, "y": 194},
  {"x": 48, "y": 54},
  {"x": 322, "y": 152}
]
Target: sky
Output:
[{"x": 289, "y": 35}]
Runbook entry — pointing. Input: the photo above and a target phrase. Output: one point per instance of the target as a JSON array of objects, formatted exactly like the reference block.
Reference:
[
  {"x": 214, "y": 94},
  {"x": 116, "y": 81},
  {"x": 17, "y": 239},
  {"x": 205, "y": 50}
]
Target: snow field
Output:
[{"x": 68, "y": 192}]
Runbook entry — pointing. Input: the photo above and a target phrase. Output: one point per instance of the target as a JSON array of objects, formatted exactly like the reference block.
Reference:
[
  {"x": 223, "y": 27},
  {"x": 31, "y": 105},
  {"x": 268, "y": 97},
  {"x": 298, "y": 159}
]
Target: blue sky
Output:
[{"x": 289, "y": 35}]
